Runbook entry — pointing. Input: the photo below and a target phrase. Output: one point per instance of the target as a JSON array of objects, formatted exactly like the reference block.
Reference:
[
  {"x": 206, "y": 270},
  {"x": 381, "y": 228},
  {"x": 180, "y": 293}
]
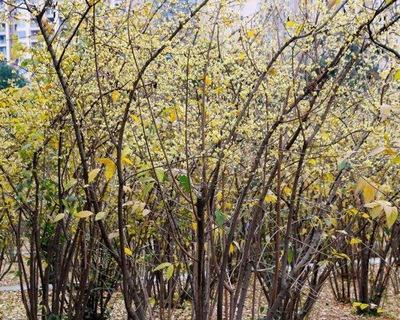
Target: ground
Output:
[{"x": 326, "y": 308}]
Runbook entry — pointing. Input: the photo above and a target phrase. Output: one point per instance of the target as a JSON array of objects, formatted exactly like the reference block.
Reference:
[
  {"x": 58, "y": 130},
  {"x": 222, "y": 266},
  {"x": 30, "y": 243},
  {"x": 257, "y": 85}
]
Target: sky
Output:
[{"x": 250, "y": 7}]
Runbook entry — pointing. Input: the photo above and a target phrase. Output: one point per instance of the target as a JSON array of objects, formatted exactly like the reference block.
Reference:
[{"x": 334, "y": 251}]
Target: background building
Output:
[{"x": 18, "y": 27}]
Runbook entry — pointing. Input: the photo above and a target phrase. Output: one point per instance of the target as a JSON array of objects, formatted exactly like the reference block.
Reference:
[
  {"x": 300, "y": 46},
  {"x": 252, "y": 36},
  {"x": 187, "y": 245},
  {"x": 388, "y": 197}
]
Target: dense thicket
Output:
[{"x": 184, "y": 155}]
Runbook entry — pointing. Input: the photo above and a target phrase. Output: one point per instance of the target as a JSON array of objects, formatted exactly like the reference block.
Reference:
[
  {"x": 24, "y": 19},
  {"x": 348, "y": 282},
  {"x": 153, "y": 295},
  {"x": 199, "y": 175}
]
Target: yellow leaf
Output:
[
  {"x": 152, "y": 301},
  {"x": 354, "y": 241},
  {"x": 329, "y": 177},
  {"x": 219, "y": 196},
  {"x": 59, "y": 217},
  {"x": 110, "y": 167},
  {"x": 128, "y": 251},
  {"x": 389, "y": 151},
  {"x": 325, "y": 136},
  {"x": 242, "y": 56},
  {"x": 207, "y": 80},
  {"x": 173, "y": 115},
  {"x": 227, "y": 21},
  {"x": 369, "y": 192},
  {"x": 287, "y": 191},
  {"x": 272, "y": 72},
  {"x": 270, "y": 198},
  {"x": 93, "y": 174},
  {"x": 365, "y": 215},
  {"x": 231, "y": 248},
  {"x": 115, "y": 96},
  {"x": 291, "y": 24},
  {"x": 83, "y": 214},
  {"x": 125, "y": 159},
  {"x": 391, "y": 215},
  {"x": 251, "y": 33},
  {"x": 352, "y": 211},
  {"x": 364, "y": 306},
  {"x": 312, "y": 162},
  {"x": 374, "y": 209},
  {"x": 332, "y": 3},
  {"x": 397, "y": 75},
  {"x": 219, "y": 90},
  {"x": 299, "y": 29},
  {"x": 395, "y": 160},
  {"x": 341, "y": 255},
  {"x": 135, "y": 118},
  {"x": 367, "y": 188},
  {"x": 360, "y": 185}
]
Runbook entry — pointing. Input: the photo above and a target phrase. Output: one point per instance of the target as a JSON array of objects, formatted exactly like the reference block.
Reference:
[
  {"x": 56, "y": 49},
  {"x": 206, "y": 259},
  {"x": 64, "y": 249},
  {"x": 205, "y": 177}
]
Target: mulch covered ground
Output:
[{"x": 326, "y": 308}]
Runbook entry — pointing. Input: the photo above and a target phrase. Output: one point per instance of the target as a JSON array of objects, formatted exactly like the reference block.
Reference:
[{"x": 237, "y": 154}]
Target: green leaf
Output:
[
  {"x": 184, "y": 182},
  {"x": 219, "y": 218},
  {"x": 147, "y": 188},
  {"x": 162, "y": 266},
  {"x": 93, "y": 174},
  {"x": 170, "y": 272},
  {"x": 160, "y": 174},
  {"x": 100, "y": 216},
  {"x": 70, "y": 184},
  {"x": 343, "y": 165},
  {"x": 169, "y": 267},
  {"x": 290, "y": 255}
]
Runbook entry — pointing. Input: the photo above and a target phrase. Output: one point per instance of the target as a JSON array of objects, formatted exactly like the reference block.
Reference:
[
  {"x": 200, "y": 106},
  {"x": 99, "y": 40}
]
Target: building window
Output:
[
  {"x": 20, "y": 25},
  {"x": 21, "y": 34},
  {"x": 2, "y": 39},
  {"x": 34, "y": 24},
  {"x": 51, "y": 15}
]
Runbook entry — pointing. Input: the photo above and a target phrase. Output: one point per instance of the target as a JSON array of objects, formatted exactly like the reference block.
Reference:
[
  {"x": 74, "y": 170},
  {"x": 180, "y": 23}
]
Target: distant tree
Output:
[{"x": 9, "y": 75}]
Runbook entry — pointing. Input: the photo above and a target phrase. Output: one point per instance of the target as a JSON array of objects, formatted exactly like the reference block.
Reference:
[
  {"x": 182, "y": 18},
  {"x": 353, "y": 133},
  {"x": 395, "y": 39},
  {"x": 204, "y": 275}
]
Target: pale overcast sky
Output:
[{"x": 250, "y": 7}]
